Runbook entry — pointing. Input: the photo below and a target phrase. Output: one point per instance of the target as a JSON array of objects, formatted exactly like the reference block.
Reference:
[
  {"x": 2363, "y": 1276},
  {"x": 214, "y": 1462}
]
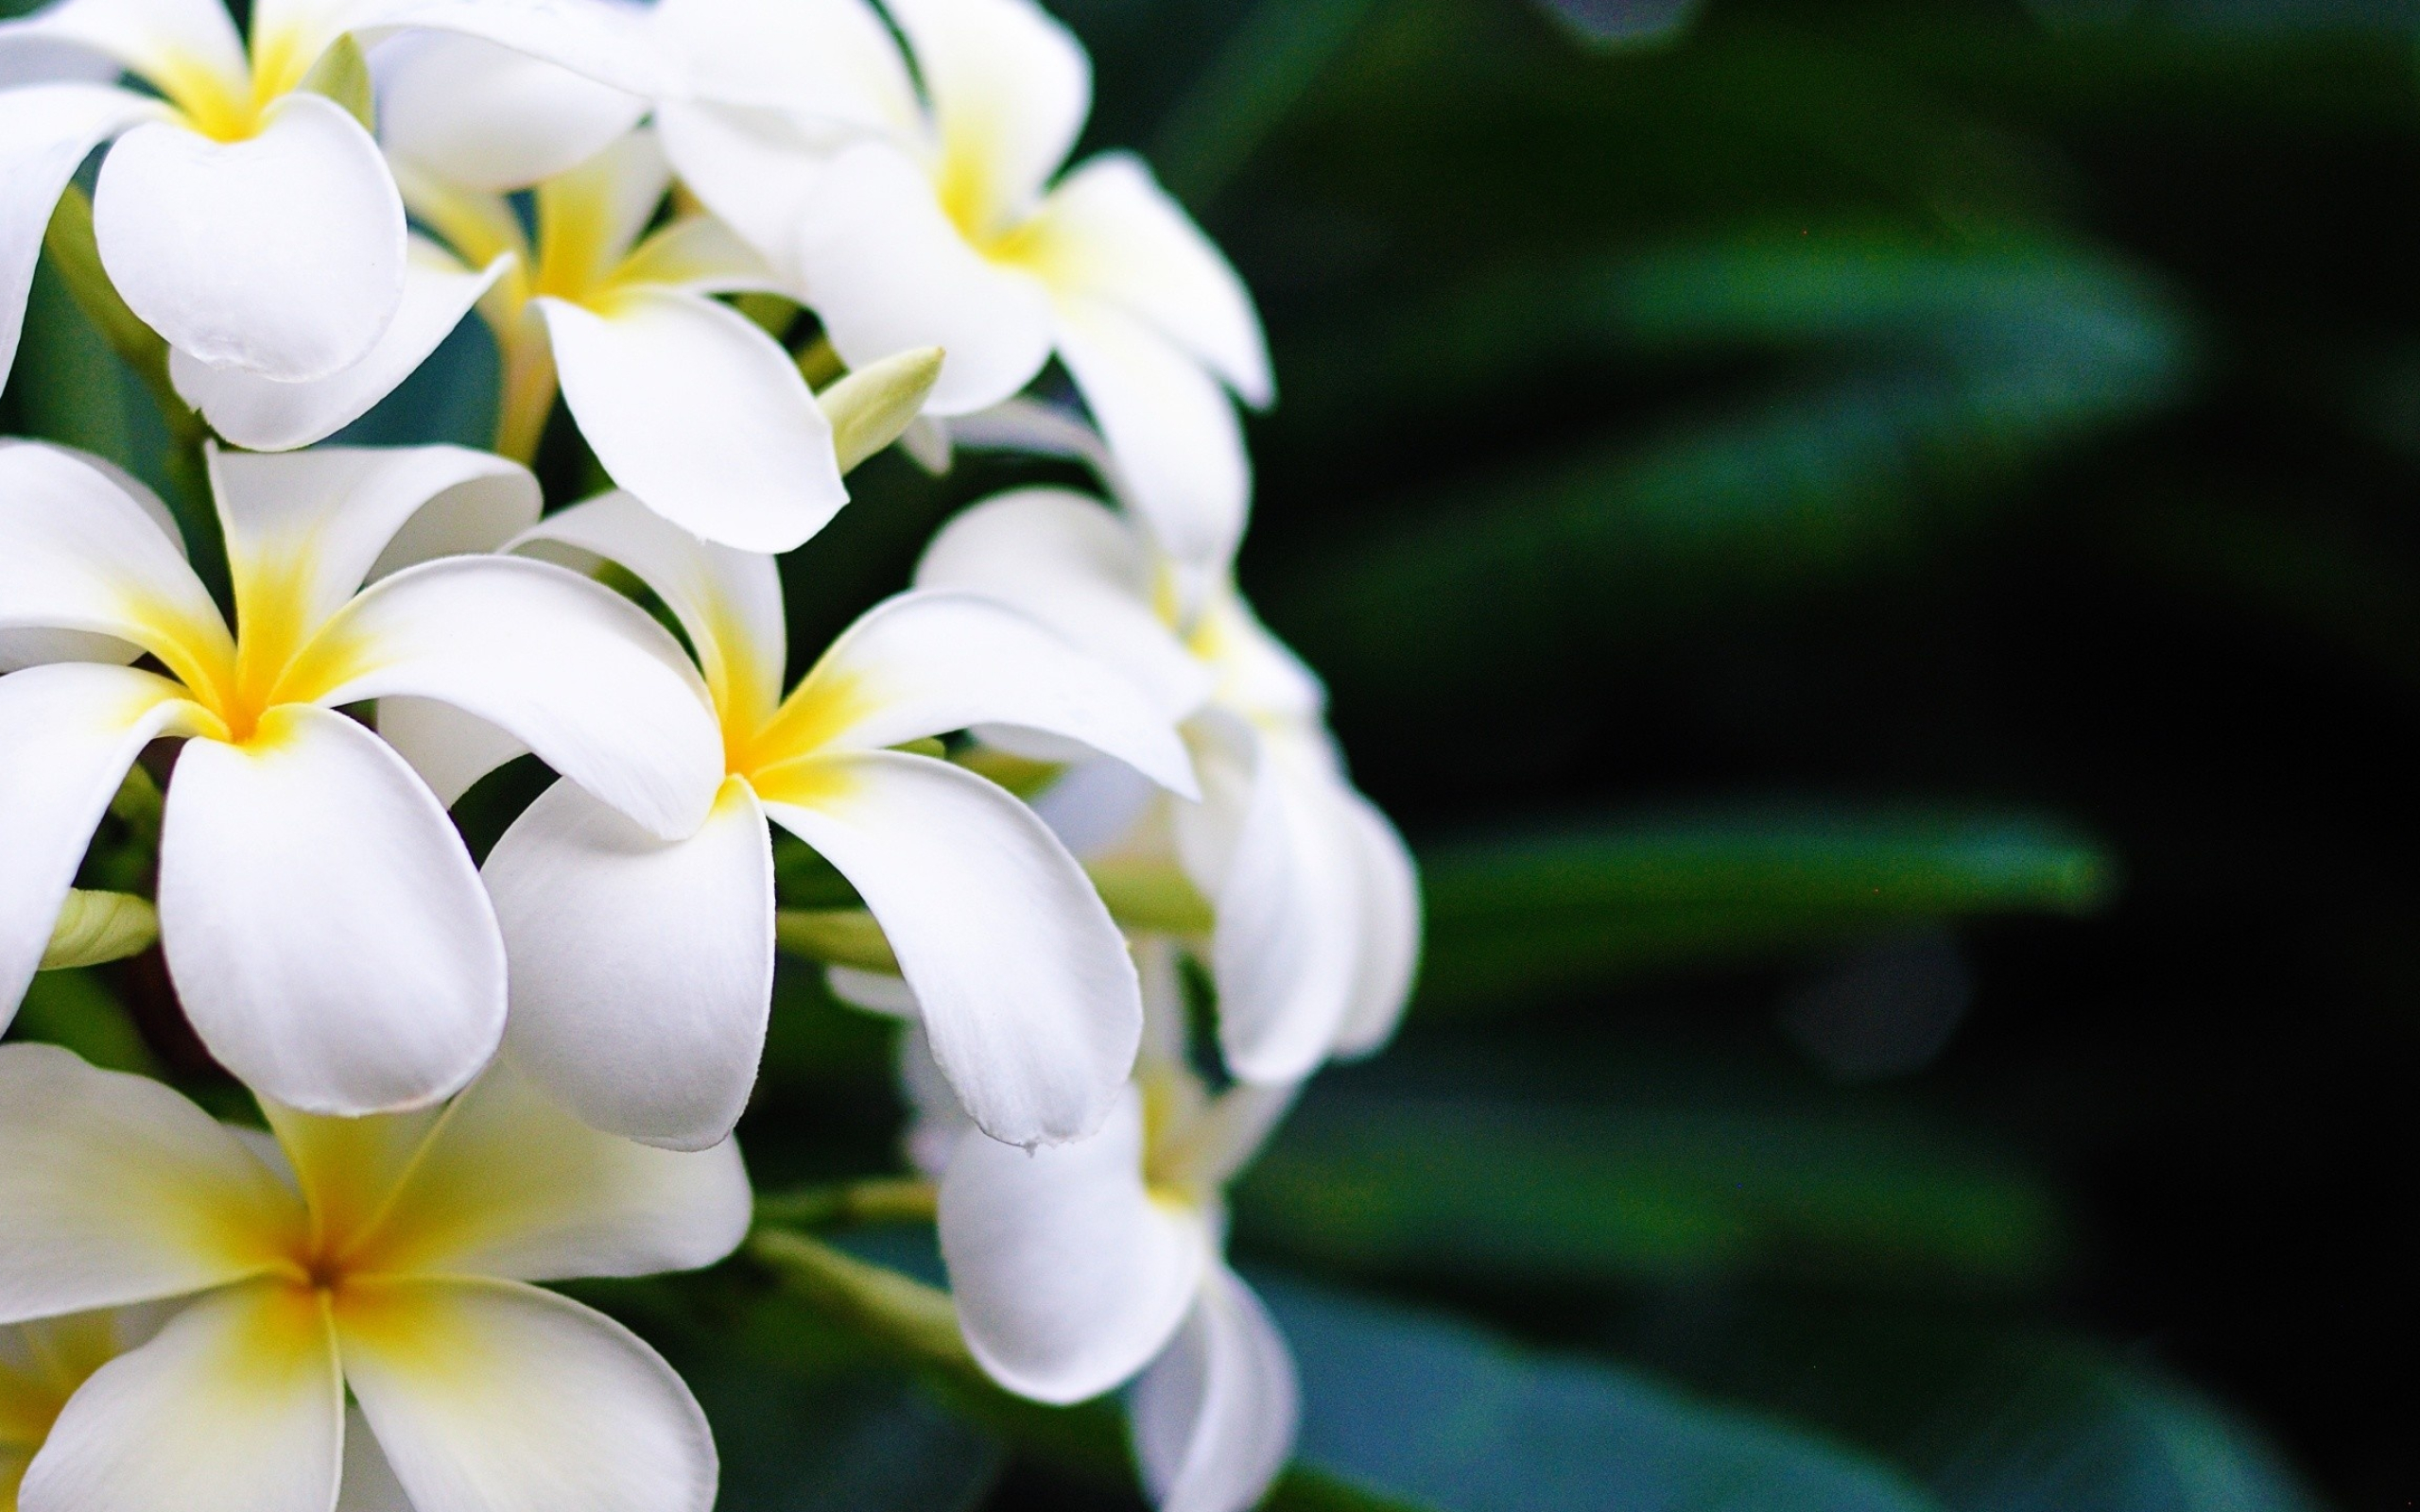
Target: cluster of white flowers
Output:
[{"x": 481, "y": 1077}]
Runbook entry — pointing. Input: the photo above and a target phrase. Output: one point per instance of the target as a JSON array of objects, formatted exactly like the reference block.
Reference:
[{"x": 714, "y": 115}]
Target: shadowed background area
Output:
[{"x": 1872, "y": 549}]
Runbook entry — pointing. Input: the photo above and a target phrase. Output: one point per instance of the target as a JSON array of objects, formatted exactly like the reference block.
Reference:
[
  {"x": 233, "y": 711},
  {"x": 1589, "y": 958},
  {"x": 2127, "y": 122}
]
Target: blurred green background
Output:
[{"x": 1872, "y": 549}]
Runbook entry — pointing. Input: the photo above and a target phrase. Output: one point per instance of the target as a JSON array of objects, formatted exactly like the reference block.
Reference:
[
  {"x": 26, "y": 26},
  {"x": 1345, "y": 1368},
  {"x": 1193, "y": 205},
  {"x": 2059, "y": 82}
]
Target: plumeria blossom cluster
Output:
[{"x": 1101, "y": 856}]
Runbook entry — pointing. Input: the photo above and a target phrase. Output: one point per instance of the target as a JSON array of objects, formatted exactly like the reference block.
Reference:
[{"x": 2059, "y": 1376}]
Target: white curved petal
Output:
[
  {"x": 451, "y": 750},
  {"x": 1172, "y": 429},
  {"x": 120, "y": 1190},
  {"x": 574, "y": 671},
  {"x": 1010, "y": 88},
  {"x": 282, "y": 254},
  {"x": 1027, "y": 994},
  {"x": 932, "y": 661},
  {"x": 888, "y": 272},
  {"x": 1214, "y": 1418},
  {"x": 755, "y": 169},
  {"x": 699, "y": 254},
  {"x": 609, "y": 43},
  {"x": 597, "y": 212},
  {"x": 1258, "y": 673},
  {"x": 1076, "y": 567},
  {"x": 77, "y": 552},
  {"x": 268, "y": 416},
  {"x": 68, "y": 732},
  {"x": 693, "y": 408},
  {"x": 510, "y": 1184},
  {"x": 235, "y": 1406},
  {"x": 305, "y": 529},
  {"x": 642, "y": 969},
  {"x": 729, "y": 602},
  {"x": 1069, "y": 1277},
  {"x": 158, "y": 39},
  {"x": 46, "y": 130},
  {"x": 496, "y": 1397},
  {"x": 1110, "y": 232},
  {"x": 1097, "y": 807},
  {"x": 1390, "y": 930},
  {"x": 828, "y": 61},
  {"x": 486, "y": 118},
  {"x": 328, "y": 934},
  {"x": 936, "y": 1122}
]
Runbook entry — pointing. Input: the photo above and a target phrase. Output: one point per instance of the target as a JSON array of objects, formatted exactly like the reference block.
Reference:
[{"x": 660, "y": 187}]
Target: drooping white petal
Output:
[
  {"x": 27, "y": 647},
  {"x": 268, "y": 416},
  {"x": 450, "y": 749},
  {"x": 1213, "y": 1417},
  {"x": 1172, "y": 427},
  {"x": 157, "y": 39},
  {"x": 68, "y": 732},
  {"x": 77, "y": 552},
  {"x": 1026, "y": 988},
  {"x": 884, "y": 266},
  {"x": 642, "y": 969},
  {"x": 1010, "y": 89},
  {"x": 282, "y": 254},
  {"x": 1070, "y": 1278},
  {"x": 328, "y": 934},
  {"x": 496, "y": 1397},
  {"x": 933, "y": 661},
  {"x": 235, "y": 1406},
  {"x": 510, "y": 1184},
  {"x": 728, "y": 602},
  {"x": 696, "y": 410},
  {"x": 1390, "y": 930},
  {"x": 756, "y": 170},
  {"x": 828, "y": 61},
  {"x": 1097, "y": 807},
  {"x": 574, "y": 671},
  {"x": 486, "y": 118},
  {"x": 1076, "y": 567},
  {"x": 305, "y": 529},
  {"x": 1109, "y": 233},
  {"x": 601, "y": 40},
  {"x": 46, "y": 130},
  {"x": 120, "y": 1190}
]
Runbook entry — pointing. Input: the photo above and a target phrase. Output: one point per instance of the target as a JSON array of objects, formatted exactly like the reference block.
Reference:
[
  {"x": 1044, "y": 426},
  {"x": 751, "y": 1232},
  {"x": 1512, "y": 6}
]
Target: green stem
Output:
[{"x": 832, "y": 1205}]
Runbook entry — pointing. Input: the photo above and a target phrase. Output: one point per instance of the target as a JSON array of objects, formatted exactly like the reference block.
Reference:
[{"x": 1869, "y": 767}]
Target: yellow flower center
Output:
[{"x": 228, "y": 109}]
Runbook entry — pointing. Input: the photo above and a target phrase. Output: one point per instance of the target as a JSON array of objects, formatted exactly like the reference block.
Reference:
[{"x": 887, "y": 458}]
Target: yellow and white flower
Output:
[
  {"x": 389, "y": 1258},
  {"x": 642, "y": 969},
  {"x": 326, "y": 930},
  {"x": 244, "y": 213},
  {"x": 911, "y": 218}
]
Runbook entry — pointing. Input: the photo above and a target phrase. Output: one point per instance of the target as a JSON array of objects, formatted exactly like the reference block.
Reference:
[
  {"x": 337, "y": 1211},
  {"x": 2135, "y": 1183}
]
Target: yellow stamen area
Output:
[
  {"x": 236, "y": 110},
  {"x": 819, "y": 709}
]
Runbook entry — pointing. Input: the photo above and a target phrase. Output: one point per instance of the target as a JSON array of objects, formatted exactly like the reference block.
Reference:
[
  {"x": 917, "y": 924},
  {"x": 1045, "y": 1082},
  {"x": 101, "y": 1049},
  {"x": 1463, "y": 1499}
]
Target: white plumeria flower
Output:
[
  {"x": 1317, "y": 906},
  {"x": 326, "y": 930},
  {"x": 641, "y": 972},
  {"x": 1078, "y": 1267},
  {"x": 248, "y": 219},
  {"x": 389, "y": 1258},
  {"x": 912, "y": 219},
  {"x": 42, "y": 1363},
  {"x": 686, "y": 403}
]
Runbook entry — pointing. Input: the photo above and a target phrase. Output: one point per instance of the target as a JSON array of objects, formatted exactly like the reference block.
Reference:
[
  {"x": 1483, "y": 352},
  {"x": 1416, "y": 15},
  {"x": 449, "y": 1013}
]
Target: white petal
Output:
[
  {"x": 875, "y": 992},
  {"x": 1389, "y": 932},
  {"x": 1076, "y": 567},
  {"x": 120, "y": 1190},
  {"x": 494, "y": 1397},
  {"x": 328, "y": 934},
  {"x": 46, "y": 132},
  {"x": 154, "y": 38},
  {"x": 831, "y": 61},
  {"x": 268, "y": 416},
  {"x": 1213, "y": 1417},
  {"x": 450, "y": 749},
  {"x": 1010, "y": 88},
  {"x": 77, "y": 552},
  {"x": 305, "y": 529},
  {"x": 1258, "y": 673},
  {"x": 611, "y": 43},
  {"x": 699, "y": 254},
  {"x": 486, "y": 117},
  {"x": 236, "y": 1406},
  {"x": 598, "y": 211},
  {"x": 1172, "y": 429},
  {"x": 282, "y": 254},
  {"x": 1112, "y": 233},
  {"x": 693, "y": 408},
  {"x": 888, "y": 272},
  {"x": 1069, "y": 1277},
  {"x": 68, "y": 732},
  {"x": 729, "y": 602},
  {"x": 510, "y": 1184},
  {"x": 1098, "y": 806},
  {"x": 1027, "y": 991},
  {"x": 574, "y": 671},
  {"x": 937, "y": 1123},
  {"x": 931, "y": 661},
  {"x": 755, "y": 170},
  {"x": 642, "y": 969}
]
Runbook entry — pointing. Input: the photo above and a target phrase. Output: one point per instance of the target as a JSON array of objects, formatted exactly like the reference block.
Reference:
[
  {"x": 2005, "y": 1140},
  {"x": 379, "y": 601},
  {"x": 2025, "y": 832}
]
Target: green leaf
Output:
[
  {"x": 1257, "y": 79},
  {"x": 1702, "y": 1188},
  {"x": 1438, "y": 1414},
  {"x": 1572, "y": 908},
  {"x": 72, "y": 1009}
]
